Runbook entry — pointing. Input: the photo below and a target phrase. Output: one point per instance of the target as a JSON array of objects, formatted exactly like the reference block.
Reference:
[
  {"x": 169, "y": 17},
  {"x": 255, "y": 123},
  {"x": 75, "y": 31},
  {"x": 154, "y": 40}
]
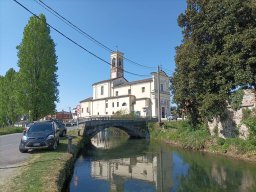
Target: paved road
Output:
[
  {"x": 9, "y": 150},
  {"x": 10, "y": 155}
]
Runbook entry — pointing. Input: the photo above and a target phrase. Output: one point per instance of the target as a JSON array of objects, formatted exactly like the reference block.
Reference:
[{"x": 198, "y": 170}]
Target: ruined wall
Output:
[{"x": 231, "y": 124}]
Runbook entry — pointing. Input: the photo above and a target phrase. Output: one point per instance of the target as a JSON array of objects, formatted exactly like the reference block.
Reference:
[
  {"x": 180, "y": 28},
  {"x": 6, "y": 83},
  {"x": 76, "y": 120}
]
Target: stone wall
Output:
[{"x": 231, "y": 124}]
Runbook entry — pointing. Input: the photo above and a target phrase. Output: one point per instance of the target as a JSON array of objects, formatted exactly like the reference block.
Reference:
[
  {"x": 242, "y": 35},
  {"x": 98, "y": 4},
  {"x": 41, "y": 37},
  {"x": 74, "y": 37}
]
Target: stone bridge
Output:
[{"x": 134, "y": 128}]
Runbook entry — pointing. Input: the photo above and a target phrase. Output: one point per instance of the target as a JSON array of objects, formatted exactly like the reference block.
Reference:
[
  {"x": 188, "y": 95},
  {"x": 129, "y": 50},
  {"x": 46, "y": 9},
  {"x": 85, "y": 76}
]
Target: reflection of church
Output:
[
  {"x": 118, "y": 94},
  {"x": 142, "y": 168},
  {"x": 154, "y": 170}
]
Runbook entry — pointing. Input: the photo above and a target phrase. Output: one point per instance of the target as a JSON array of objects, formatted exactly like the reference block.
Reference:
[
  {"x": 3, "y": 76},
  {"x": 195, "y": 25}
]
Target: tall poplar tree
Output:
[
  {"x": 38, "y": 90},
  {"x": 218, "y": 55}
]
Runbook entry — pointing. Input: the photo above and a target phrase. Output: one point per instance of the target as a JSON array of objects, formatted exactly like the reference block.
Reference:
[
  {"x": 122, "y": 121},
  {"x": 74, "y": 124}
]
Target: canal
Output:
[{"x": 114, "y": 163}]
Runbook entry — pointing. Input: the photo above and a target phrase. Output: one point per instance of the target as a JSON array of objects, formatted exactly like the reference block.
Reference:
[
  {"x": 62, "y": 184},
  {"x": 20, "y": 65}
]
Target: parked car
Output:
[
  {"x": 70, "y": 123},
  {"x": 62, "y": 127},
  {"x": 27, "y": 126},
  {"x": 41, "y": 134},
  {"x": 172, "y": 117}
]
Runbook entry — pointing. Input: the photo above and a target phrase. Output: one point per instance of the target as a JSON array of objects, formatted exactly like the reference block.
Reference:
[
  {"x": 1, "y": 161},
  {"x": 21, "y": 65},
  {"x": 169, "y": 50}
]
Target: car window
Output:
[{"x": 41, "y": 127}]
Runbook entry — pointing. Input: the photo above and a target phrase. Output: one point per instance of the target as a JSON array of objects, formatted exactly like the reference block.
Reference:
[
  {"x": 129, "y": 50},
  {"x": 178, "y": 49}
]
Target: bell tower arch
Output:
[{"x": 117, "y": 65}]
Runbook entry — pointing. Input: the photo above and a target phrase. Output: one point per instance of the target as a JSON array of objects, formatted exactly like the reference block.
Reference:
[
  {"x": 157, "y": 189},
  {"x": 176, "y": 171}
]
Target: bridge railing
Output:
[{"x": 107, "y": 118}]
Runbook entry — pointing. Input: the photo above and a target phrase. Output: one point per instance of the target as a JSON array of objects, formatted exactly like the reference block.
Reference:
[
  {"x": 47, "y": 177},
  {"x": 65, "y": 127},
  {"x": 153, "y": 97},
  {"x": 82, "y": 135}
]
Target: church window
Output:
[
  {"x": 117, "y": 104},
  {"x": 113, "y": 62},
  {"x": 143, "y": 89},
  {"x": 106, "y": 105},
  {"x": 116, "y": 93},
  {"x": 102, "y": 90},
  {"x": 129, "y": 91},
  {"x": 113, "y": 104},
  {"x": 120, "y": 62},
  {"x": 161, "y": 87},
  {"x": 124, "y": 104}
]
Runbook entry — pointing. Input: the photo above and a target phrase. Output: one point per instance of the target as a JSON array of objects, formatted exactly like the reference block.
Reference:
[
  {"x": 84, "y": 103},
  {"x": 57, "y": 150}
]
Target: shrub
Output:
[
  {"x": 236, "y": 99},
  {"x": 251, "y": 123},
  {"x": 216, "y": 130},
  {"x": 220, "y": 141},
  {"x": 246, "y": 113},
  {"x": 122, "y": 114}
]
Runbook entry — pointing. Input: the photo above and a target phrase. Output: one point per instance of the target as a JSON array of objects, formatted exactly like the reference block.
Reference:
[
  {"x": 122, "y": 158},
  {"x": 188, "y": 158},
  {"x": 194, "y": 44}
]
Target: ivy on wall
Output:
[{"x": 236, "y": 99}]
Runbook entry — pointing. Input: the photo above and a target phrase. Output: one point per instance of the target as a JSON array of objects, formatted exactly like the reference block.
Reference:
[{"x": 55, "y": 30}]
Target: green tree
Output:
[
  {"x": 9, "y": 108},
  {"x": 2, "y": 112},
  {"x": 218, "y": 54},
  {"x": 38, "y": 90},
  {"x": 185, "y": 82},
  {"x": 10, "y": 97}
]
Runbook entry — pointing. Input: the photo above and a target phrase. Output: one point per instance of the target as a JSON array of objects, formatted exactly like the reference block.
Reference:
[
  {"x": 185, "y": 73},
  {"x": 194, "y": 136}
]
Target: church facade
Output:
[{"x": 118, "y": 94}]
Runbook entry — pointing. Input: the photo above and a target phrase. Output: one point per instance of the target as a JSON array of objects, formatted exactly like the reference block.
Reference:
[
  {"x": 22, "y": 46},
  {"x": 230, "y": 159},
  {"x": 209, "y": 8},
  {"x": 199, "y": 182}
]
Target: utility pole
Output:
[{"x": 158, "y": 84}]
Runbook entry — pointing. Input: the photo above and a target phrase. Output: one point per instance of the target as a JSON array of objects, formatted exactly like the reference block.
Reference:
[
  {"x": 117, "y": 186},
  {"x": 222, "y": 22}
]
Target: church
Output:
[{"x": 118, "y": 94}]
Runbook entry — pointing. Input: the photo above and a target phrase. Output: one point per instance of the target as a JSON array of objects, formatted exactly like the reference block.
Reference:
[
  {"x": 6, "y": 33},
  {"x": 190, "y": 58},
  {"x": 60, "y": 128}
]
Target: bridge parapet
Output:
[{"x": 135, "y": 128}]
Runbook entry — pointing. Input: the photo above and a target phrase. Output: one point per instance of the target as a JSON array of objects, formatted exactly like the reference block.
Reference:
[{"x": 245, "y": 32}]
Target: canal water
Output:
[{"x": 115, "y": 163}]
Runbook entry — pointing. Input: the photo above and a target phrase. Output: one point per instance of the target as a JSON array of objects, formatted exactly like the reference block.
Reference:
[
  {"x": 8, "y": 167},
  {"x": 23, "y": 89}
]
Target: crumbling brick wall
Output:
[{"x": 231, "y": 124}]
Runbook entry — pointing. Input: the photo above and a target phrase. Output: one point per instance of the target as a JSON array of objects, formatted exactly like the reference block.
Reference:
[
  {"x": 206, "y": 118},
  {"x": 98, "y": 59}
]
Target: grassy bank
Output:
[
  {"x": 10, "y": 130},
  {"x": 182, "y": 134},
  {"x": 47, "y": 170}
]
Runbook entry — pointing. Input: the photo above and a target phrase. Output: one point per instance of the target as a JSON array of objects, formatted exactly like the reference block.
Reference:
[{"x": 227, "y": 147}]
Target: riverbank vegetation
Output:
[
  {"x": 181, "y": 133},
  {"x": 10, "y": 130},
  {"x": 47, "y": 170}
]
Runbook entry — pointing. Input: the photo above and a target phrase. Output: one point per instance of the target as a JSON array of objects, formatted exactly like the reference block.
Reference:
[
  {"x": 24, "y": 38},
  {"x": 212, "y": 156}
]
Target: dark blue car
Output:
[{"x": 41, "y": 134}]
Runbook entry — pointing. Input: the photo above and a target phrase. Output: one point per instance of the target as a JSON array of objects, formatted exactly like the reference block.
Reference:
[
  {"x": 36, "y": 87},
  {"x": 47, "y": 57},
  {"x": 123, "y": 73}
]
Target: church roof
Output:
[
  {"x": 104, "y": 81},
  {"x": 108, "y": 80},
  {"x": 135, "y": 82},
  {"x": 87, "y": 99}
]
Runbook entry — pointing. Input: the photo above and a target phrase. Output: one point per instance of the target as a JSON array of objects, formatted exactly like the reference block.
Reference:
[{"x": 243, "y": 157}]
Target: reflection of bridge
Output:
[{"x": 136, "y": 128}]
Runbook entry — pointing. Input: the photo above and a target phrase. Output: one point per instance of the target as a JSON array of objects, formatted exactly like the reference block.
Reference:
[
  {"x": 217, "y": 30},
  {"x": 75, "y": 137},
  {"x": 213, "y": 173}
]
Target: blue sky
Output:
[{"x": 146, "y": 31}]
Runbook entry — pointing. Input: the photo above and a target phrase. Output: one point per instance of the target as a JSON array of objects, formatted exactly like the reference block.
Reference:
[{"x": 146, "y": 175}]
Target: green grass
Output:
[
  {"x": 182, "y": 133},
  {"x": 47, "y": 170},
  {"x": 10, "y": 130},
  {"x": 234, "y": 145},
  {"x": 199, "y": 138}
]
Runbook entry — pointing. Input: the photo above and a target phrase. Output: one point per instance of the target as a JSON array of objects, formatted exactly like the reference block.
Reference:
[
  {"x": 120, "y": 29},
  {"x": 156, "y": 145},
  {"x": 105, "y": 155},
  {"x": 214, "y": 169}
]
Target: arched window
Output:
[
  {"x": 124, "y": 104},
  {"x": 113, "y": 62},
  {"x": 120, "y": 62}
]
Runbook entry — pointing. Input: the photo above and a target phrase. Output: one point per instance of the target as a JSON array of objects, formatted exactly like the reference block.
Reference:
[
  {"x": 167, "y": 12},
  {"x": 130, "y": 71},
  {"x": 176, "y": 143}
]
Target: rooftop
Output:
[
  {"x": 87, "y": 99},
  {"x": 135, "y": 82}
]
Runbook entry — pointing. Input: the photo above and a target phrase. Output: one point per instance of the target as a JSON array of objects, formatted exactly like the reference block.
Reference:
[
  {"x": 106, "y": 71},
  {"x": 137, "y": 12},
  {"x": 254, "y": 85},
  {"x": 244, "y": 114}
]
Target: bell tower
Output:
[{"x": 117, "y": 65}]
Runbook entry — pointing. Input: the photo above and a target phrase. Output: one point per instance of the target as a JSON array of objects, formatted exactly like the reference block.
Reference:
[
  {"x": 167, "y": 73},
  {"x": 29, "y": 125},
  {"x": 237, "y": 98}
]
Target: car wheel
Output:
[
  {"x": 54, "y": 146},
  {"x": 22, "y": 148}
]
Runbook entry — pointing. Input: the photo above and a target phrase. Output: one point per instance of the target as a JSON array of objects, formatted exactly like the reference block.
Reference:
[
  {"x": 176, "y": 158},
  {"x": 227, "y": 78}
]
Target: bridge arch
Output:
[{"x": 134, "y": 128}]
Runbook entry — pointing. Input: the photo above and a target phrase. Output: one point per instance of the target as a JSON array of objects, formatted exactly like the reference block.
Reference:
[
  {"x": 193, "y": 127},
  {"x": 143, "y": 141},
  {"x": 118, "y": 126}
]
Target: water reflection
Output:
[
  {"x": 137, "y": 165},
  {"x": 109, "y": 138}
]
